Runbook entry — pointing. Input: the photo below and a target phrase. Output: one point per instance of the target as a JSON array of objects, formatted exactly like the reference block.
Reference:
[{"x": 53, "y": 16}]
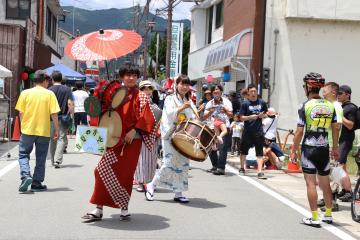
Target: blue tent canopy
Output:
[
  {"x": 67, "y": 72},
  {"x": 90, "y": 82}
]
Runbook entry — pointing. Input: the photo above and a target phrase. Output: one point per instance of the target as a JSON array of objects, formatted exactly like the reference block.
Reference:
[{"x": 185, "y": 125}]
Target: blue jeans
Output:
[
  {"x": 219, "y": 160},
  {"x": 41, "y": 148}
]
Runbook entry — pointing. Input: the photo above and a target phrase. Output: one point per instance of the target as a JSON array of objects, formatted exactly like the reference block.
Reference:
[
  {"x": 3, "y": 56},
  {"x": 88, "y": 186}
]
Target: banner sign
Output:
[
  {"x": 91, "y": 140},
  {"x": 176, "y": 49}
]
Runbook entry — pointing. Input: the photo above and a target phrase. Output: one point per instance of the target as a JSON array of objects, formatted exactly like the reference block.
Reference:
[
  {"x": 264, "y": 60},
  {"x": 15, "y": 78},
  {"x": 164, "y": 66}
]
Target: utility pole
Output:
[
  {"x": 168, "y": 37},
  {"x": 147, "y": 27},
  {"x": 157, "y": 55},
  {"x": 136, "y": 13}
]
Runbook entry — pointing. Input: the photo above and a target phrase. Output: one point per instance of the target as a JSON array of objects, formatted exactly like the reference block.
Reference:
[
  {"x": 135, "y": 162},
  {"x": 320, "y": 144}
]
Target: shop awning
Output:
[
  {"x": 239, "y": 46},
  {"x": 4, "y": 72}
]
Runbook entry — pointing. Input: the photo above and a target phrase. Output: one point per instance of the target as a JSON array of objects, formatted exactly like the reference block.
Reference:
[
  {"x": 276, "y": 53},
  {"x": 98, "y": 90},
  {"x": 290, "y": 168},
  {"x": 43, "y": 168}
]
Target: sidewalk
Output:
[
  {"x": 293, "y": 187},
  {"x": 5, "y": 148}
]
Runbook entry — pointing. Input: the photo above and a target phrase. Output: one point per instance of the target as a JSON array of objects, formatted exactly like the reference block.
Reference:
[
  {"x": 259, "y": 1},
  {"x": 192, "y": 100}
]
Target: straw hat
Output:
[{"x": 145, "y": 83}]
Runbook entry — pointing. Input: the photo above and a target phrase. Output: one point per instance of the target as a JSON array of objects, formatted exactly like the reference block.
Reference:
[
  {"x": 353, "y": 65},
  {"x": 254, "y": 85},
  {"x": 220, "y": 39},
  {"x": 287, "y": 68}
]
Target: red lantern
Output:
[
  {"x": 209, "y": 78},
  {"x": 24, "y": 76}
]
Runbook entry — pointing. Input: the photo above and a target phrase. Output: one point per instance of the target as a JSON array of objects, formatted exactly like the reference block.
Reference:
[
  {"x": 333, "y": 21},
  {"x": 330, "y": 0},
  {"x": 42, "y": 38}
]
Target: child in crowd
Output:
[
  {"x": 219, "y": 119},
  {"x": 237, "y": 127}
]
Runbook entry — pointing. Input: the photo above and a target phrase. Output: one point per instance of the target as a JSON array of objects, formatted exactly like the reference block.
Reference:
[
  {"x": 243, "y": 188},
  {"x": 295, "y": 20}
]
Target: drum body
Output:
[
  {"x": 112, "y": 96},
  {"x": 193, "y": 139},
  {"x": 112, "y": 121}
]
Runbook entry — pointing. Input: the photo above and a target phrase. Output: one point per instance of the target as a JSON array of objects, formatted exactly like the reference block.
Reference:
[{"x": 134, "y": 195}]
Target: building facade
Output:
[
  {"x": 28, "y": 39},
  {"x": 233, "y": 54},
  {"x": 309, "y": 36},
  {"x": 64, "y": 38}
]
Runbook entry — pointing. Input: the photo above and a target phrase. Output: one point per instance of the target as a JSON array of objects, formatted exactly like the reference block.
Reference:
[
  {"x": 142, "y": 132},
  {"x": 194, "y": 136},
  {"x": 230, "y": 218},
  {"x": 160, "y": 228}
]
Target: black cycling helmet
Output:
[{"x": 314, "y": 80}]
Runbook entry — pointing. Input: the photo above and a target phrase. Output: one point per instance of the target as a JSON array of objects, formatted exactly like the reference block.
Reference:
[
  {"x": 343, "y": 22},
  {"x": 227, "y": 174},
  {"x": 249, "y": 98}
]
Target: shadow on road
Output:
[
  {"x": 138, "y": 222},
  {"x": 197, "y": 203},
  {"x": 60, "y": 189},
  {"x": 71, "y": 166}
]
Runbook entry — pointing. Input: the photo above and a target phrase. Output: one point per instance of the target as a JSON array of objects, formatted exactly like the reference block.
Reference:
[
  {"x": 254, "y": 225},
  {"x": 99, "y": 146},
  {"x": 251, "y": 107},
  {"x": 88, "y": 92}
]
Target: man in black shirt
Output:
[
  {"x": 65, "y": 100},
  {"x": 347, "y": 137},
  {"x": 252, "y": 111}
]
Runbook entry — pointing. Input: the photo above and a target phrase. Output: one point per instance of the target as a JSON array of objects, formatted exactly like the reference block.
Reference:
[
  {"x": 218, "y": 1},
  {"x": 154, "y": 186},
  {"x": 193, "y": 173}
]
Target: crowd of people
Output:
[{"x": 241, "y": 121}]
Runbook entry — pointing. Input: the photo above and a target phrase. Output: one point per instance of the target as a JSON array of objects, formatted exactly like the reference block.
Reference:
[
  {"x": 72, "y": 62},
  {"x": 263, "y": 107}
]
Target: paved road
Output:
[{"x": 221, "y": 207}]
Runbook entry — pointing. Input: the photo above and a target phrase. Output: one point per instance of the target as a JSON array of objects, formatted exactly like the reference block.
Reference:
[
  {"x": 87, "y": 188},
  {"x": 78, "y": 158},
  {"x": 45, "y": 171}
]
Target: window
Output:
[
  {"x": 219, "y": 17},
  {"x": 51, "y": 24},
  {"x": 210, "y": 23},
  {"x": 18, "y": 9}
]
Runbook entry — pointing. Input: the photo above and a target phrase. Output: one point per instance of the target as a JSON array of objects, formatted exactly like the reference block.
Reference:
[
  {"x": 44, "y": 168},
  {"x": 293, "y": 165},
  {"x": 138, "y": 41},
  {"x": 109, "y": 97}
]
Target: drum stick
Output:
[
  {"x": 122, "y": 150},
  {"x": 195, "y": 112}
]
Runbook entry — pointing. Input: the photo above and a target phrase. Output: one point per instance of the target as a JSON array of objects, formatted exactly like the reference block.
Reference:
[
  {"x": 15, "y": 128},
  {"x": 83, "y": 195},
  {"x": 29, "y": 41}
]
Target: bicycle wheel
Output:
[{"x": 355, "y": 203}]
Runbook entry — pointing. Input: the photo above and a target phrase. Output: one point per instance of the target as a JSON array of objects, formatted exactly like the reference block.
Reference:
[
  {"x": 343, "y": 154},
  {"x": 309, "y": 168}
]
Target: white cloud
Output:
[{"x": 181, "y": 11}]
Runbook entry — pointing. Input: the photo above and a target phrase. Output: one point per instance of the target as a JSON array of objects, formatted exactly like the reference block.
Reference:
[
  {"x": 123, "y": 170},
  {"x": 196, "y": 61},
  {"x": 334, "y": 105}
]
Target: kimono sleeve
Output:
[
  {"x": 145, "y": 117},
  {"x": 170, "y": 109}
]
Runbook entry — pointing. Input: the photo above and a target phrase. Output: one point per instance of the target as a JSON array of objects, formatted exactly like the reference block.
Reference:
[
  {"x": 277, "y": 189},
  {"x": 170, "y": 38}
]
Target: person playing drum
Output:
[
  {"x": 173, "y": 174},
  {"x": 115, "y": 171}
]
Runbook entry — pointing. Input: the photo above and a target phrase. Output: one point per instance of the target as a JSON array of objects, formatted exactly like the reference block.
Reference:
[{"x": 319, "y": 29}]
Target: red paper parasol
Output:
[{"x": 103, "y": 45}]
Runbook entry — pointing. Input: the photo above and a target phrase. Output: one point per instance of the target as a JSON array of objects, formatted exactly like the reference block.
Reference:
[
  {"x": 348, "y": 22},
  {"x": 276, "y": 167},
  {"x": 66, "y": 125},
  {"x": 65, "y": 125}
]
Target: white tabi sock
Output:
[
  {"x": 150, "y": 188},
  {"x": 124, "y": 212},
  {"x": 97, "y": 211}
]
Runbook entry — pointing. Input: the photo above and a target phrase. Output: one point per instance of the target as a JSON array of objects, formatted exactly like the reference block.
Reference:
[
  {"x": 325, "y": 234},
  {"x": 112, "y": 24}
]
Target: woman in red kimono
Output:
[{"x": 115, "y": 171}]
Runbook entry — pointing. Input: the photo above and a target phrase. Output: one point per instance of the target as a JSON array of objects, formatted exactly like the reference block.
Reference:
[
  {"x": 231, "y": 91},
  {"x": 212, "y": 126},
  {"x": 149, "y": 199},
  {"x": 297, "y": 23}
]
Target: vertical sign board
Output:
[{"x": 176, "y": 49}]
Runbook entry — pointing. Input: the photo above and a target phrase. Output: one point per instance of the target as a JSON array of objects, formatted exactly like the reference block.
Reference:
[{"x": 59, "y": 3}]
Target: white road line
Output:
[
  {"x": 332, "y": 229},
  {"x": 8, "y": 168},
  {"x": 12, "y": 165}
]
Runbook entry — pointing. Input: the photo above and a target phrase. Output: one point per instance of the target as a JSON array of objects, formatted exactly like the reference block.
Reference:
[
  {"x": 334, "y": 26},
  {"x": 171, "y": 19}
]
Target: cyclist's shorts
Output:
[{"x": 315, "y": 160}]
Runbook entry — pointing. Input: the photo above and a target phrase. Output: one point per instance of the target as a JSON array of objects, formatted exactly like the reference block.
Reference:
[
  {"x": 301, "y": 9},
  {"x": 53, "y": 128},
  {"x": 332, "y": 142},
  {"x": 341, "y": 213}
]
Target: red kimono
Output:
[{"x": 115, "y": 171}]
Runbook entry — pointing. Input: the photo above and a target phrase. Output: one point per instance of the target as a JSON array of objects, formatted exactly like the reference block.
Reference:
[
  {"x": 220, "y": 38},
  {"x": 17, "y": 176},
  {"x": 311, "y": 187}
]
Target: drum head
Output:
[
  {"x": 118, "y": 97},
  {"x": 92, "y": 106},
  {"x": 113, "y": 123},
  {"x": 185, "y": 146}
]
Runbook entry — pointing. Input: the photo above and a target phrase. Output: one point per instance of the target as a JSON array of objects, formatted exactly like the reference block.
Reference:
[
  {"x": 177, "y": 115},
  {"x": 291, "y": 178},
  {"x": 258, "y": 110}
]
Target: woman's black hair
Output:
[
  {"x": 128, "y": 69},
  {"x": 184, "y": 79},
  {"x": 217, "y": 86},
  {"x": 155, "y": 97}
]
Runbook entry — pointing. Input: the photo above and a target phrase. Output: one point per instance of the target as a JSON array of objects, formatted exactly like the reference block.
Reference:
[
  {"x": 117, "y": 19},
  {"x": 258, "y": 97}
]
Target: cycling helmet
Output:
[{"x": 314, "y": 80}]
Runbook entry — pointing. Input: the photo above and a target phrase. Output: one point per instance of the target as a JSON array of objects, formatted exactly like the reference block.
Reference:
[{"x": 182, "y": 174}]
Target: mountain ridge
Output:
[{"x": 92, "y": 20}]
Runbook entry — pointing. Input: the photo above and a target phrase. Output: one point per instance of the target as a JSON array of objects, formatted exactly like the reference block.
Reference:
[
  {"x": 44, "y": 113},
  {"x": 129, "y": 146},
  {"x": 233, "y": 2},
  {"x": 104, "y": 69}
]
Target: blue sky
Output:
[{"x": 181, "y": 11}]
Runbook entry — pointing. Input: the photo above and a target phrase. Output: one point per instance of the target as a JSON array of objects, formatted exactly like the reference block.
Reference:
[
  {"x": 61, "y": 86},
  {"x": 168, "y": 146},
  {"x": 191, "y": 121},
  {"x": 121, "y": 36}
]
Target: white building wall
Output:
[
  {"x": 329, "y": 47},
  {"x": 324, "y": 9},
  {"x": 63, "y": 39},
  {"x": 199, "y": 48},
  {"x": 33, "y": 14},
  {"x": 198, "y": 29}
]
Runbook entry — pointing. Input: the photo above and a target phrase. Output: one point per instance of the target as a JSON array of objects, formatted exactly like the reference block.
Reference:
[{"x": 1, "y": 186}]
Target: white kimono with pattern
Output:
[{"x": 173, "y": 174}]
